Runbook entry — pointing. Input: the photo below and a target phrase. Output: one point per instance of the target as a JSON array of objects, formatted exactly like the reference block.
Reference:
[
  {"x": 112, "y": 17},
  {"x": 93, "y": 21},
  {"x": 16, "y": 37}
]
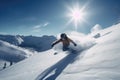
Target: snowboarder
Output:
[{"x": 65, "y": 40}]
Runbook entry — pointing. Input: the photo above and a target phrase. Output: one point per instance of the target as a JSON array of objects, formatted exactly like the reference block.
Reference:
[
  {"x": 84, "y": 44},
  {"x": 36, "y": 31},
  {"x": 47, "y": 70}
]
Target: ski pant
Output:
[{"x": 65, "y": 48}]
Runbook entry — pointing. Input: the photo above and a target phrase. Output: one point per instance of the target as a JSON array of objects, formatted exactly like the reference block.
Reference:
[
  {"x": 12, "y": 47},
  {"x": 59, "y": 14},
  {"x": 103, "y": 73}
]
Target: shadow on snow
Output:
[{"x": 58, "y": 67}]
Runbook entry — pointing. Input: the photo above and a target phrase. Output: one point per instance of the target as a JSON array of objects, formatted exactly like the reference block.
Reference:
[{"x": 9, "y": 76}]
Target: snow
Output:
[
  {"x": 19, "y": 40},
  {"x": 94, "y": 59},
  {"x": 40, "y": 44},
  {"x": 11, "y": 53},
  {"x": 13, "y": 39},
  {"x": 96, "y": 28},
  {"x": 22, "y": 70}
]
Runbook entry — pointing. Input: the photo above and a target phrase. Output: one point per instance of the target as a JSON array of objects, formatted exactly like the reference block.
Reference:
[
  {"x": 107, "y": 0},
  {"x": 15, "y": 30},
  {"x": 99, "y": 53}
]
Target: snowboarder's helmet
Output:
[{"x": 63, "y": 36}]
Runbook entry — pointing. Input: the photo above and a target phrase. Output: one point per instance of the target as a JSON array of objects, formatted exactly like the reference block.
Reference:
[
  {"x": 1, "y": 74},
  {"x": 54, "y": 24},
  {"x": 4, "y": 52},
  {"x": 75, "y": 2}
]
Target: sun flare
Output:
[{"x": 77, "y": 15}]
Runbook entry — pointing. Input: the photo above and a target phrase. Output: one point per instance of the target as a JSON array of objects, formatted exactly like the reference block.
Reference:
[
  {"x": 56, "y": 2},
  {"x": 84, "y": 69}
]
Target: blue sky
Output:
[{"x": 49, "y": 17}]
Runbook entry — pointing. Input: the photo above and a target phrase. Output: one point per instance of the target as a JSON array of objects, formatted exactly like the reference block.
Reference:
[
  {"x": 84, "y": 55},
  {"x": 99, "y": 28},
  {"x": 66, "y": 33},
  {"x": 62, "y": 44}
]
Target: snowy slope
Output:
[
  {"x": 101, "y": 62},
  {"x": 91, "y": 61},
  {"x": 12, "y": 53},
  {"x": 9, "y": 52}
]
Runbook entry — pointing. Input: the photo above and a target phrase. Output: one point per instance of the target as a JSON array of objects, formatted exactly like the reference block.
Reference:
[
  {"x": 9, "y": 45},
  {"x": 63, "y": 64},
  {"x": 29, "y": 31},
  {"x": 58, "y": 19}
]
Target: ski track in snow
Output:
[{"x": 58, "y": 67}]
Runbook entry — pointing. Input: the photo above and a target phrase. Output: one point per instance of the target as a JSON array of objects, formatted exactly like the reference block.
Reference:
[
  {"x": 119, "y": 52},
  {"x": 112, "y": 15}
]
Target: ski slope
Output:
[{"x": 94, "y": 59}]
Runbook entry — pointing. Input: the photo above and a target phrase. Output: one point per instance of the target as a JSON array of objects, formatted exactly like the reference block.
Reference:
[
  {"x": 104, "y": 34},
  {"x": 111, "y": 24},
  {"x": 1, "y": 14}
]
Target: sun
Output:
[{"x": 77, "y": 15}]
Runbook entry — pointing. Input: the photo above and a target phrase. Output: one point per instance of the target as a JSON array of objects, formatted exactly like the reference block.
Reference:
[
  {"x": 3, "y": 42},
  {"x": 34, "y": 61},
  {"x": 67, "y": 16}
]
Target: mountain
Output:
[
  {"x": 11, "y": 53},
  {"x": 94, "y": 59},
  {"x": 16, "y": 40},
  {"x": 31, "y": 42}
]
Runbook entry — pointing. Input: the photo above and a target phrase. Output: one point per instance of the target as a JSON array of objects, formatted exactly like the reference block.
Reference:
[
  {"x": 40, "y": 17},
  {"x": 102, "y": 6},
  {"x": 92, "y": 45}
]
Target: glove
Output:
[
  {"x": 52, "y": 45},
  {"x": 75, "y": 44}
]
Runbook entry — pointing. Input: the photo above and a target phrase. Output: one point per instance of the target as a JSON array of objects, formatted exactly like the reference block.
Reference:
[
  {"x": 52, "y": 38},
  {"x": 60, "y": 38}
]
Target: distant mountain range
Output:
[{"x": 30, "y": 42}]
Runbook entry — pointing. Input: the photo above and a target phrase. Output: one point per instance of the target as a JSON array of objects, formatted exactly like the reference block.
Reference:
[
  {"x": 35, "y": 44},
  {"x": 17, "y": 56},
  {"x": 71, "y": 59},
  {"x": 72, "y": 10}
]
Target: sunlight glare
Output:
[{"x": 77, "y": 15}]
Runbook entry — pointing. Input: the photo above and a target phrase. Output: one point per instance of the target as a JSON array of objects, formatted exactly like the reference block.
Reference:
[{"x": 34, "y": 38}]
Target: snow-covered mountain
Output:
[
  {"x": 94, "y": 59},
  {"x": 38, "y": 43},
  {"x": 15, "y": 40},
  {"x": 32, "y": 42},
  {"x": 11, "y": 53}
]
